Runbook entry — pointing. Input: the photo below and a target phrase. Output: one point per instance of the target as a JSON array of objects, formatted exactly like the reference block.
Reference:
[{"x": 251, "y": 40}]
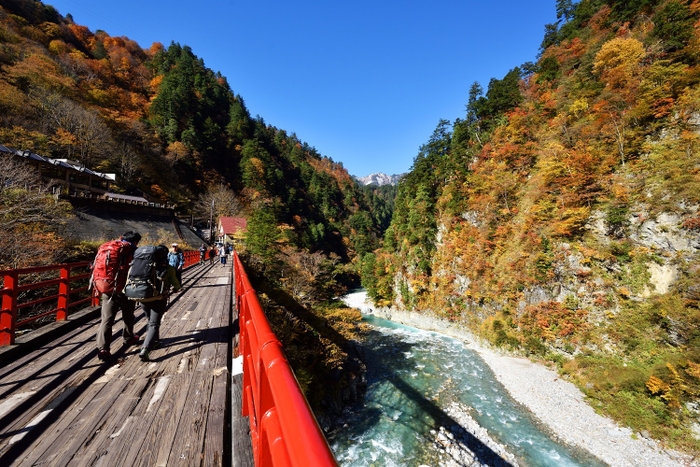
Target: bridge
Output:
[{"x": 219, "y": 391}]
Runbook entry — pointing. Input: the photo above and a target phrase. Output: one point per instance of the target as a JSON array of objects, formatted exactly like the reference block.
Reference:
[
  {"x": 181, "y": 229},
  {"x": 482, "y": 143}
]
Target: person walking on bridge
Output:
[
  {"x": 176, "y": 259},
  {"x": 109, "y": 274},
  {"x": 156, "y": 306},
  {"x": 202, "y": 253},
  {"x": 222, "y": 255}
]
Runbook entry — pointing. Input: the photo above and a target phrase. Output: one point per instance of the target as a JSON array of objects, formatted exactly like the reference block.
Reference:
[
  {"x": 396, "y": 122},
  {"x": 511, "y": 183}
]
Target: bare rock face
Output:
[{"x": 664, "y": 233}]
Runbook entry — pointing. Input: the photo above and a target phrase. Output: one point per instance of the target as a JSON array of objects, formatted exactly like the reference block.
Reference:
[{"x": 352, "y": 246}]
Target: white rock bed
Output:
[{"x": 555, "y": 402}]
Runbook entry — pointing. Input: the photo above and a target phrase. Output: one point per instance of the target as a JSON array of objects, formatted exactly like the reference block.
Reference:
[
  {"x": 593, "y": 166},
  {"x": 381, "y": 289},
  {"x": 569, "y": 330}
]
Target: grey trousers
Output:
[
  {"x": 154, "y": 314},
  {"x": 110, "y": 305}
]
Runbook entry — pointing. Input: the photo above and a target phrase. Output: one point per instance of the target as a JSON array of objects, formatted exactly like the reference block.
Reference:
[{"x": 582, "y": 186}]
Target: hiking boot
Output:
[
  {"x": 143, "y": 355},
  {"x": 103, "y": 354},
  {"x": 132, "y": 340}
]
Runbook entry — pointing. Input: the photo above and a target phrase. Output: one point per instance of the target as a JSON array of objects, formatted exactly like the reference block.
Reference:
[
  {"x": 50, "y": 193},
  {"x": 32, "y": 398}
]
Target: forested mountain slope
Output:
[
  {"x": 560, "y": 217},
  {"x": 173, "y": 129}
]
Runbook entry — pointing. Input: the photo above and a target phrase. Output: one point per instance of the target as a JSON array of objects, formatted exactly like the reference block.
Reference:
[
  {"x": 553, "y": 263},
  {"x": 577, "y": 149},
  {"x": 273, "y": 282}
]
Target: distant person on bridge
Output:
[
  {"x": 176, "y": 259},
  {"x": 202, "y": 253},
  {"x": 109, "y": 276},
  {"x": 222, "y": 255},
  {"x": 212, "y": 255}
]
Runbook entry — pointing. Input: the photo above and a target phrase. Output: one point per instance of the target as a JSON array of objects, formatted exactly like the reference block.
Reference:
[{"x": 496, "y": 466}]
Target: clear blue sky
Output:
[{"x": 365, "y": 82}]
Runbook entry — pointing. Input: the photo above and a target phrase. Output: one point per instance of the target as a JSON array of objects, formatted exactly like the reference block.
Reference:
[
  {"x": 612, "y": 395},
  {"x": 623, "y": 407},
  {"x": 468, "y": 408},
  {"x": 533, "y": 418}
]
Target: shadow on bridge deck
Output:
[{"x": 60, "y": 405}]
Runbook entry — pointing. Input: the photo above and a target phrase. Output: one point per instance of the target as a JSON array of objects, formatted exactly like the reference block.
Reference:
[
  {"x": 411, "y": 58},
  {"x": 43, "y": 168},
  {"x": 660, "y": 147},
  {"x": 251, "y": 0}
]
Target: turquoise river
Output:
[{"x": 413, "y": 376}]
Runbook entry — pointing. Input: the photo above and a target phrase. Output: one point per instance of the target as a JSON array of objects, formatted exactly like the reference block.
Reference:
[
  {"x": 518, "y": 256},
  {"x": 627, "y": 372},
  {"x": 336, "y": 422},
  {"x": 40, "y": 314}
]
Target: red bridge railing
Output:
[
  {"x": 283, "y": 429},
  {"x": 191, "y": 257},
  {"x": 15, "y": 282},
  {"x": 59, "y": 289}
]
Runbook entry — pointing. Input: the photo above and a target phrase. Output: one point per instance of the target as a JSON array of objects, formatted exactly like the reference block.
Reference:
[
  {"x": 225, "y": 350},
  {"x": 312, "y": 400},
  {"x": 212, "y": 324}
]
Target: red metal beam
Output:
[
  {"x": 283, "y": 428},
  {"x": 12, "y": 291}
]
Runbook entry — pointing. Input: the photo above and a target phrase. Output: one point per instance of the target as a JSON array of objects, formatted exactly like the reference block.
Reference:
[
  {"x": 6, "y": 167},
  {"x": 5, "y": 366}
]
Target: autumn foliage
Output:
[
  {"x": 544, "y": 218},
  {"x": 173, "y": 130}
]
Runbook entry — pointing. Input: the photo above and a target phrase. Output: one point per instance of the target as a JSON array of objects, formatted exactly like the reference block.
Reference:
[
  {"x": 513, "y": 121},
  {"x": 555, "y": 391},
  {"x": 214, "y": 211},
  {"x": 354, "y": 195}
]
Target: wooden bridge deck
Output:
[{"x": 60, "y": 405}]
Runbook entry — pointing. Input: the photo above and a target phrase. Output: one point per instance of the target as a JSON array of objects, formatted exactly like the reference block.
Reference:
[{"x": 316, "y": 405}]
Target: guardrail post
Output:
[
  {"x": 8, "y": 313},
  {"x": 63, "y": 292}
]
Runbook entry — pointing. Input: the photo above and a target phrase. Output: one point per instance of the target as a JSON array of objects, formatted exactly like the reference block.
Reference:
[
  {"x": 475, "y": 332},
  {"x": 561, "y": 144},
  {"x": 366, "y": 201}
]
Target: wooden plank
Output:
[
  {"x": 134, "y": 418},
  {"x": 218, "y": 428},
  {"x": 87, "y": 420},
  {"x": 135, "y": 446},
  {"x": 26, "y": 363},
  {"x": 58, "y": 355},
  {"x": 160, "y": 434},
  {"x": 56, "y": 413},
  {"x": 44, "y": 364},
  {"x": 189, "y": 437},
  {"x": 160, "y": 439},
  {"x": 155, "y": 405},
  {"x": 114, "y": 451},
  {"x": 53, "y": 370},
  {"x": 190, "y": 433},
  {"x": 46, "y": 393},
  {"x": 218, "y": 335},
  {"x": 241, "y": 445},
  {"x": 64, "y": 379}
]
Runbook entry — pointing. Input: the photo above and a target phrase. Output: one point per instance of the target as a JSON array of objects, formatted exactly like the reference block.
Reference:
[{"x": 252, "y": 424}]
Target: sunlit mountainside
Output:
[
  {"x": 171, "y": 129},
  {"x": 174, "y": 131},
  {"x": 560, "y": 217}
]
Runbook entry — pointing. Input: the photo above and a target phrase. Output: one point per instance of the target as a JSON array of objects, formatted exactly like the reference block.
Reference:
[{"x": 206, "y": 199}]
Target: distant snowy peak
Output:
[{"x": 380, "y": 179}]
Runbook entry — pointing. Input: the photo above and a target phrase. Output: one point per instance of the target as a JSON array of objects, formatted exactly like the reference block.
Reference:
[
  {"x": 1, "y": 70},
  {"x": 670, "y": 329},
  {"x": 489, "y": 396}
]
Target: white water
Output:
[{"x": 415, "y": 381}]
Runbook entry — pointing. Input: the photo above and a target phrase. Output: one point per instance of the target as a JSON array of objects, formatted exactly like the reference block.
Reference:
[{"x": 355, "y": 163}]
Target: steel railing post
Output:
[
  {"x": 63, "y": 293},
  {"x": 8, "y": 313}
]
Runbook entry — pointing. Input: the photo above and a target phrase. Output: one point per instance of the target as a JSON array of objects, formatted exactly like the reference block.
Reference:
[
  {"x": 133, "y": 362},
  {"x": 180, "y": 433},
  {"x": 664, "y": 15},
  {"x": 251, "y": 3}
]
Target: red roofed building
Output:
[{"x": 232, "y": 230}]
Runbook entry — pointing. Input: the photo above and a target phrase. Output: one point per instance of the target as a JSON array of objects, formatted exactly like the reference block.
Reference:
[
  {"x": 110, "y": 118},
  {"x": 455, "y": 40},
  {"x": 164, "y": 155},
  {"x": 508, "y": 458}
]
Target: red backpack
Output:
[{"x": 110, "y": 266}]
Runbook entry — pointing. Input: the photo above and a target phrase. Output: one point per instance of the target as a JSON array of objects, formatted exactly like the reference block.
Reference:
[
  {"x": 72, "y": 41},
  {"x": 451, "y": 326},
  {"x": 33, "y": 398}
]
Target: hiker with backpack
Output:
[
  {"x": 109, "y": 275},
  {"x": 176, "y": 258},
  {"x": 149, "y": 282}
]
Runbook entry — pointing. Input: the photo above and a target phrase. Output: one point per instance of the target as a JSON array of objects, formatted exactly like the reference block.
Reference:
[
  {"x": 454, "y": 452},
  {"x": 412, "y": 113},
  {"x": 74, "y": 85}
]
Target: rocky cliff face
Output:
[{"x": 652, "y": 255}]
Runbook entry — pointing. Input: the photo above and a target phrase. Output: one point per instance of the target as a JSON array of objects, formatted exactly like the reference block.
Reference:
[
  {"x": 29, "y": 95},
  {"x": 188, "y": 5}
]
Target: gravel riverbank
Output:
[{"x": 557, "y": 403}]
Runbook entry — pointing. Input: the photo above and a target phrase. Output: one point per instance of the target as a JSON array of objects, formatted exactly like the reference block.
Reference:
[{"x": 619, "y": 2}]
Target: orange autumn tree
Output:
[{"x": 31, "y": 217}]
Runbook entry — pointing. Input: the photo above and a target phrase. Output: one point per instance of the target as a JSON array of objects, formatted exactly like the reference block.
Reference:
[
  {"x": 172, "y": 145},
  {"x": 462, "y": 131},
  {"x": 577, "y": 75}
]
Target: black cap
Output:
[{"x": 132, "y": 237}]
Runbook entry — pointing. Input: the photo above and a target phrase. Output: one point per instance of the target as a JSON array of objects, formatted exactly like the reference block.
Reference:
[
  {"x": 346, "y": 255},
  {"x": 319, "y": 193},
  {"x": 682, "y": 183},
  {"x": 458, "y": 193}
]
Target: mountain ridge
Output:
[{"x": 380, "y": 179}]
